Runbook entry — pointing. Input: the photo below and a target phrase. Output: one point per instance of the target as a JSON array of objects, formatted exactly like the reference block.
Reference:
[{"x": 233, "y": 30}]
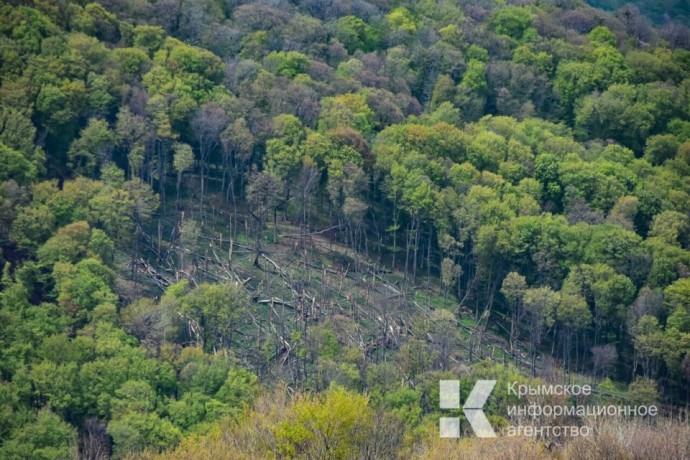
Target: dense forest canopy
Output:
[
  {"x": 658, "y": 12},
  {"x": 244, "y": 220}
]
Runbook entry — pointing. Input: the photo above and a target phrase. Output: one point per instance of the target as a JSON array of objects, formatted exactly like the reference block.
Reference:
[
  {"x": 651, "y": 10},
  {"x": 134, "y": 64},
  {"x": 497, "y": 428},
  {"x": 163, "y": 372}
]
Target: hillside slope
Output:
[{"x": 209, "y": 206}]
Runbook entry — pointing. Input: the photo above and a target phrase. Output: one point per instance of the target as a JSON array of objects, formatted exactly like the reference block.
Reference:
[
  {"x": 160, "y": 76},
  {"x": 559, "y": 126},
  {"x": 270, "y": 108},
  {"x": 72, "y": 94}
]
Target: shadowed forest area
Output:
[{"x": 269, "y": 228}]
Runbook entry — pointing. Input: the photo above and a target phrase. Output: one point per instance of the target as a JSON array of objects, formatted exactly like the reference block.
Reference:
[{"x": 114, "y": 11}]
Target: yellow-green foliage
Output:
[
  {"x": 335, "y": 424},
  {"x": 332, "y": 425}
]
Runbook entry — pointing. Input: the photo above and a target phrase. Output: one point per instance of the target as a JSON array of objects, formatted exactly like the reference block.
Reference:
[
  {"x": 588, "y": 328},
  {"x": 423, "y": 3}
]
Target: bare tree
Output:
[
  {"x": 604, "y": 357},
  {"x": 307, "y": 183},
  {"x": 263, "y": 195},
  {"x": 208, "y": 122},
  {"x": 95, "y": 443},
  {"x": 238, "y": 145}
]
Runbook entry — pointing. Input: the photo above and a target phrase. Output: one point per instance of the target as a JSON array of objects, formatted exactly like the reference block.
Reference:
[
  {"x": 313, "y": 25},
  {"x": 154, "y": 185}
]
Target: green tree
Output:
[
  {"x": 81, "y": 287},
  {"x": 213, "y": 312},
  {"x": 450, "y": 272},
  {"x": 286, "y": 64},
  {"x": 541, "y": 304},
  {"x": 32, "y": 226},
  {"x": 153, "y": 323},
  {"x": 48, "y": 437},
  {"x": 671, "y": 227},
  {"x": 513, "y": 289},
  {"x": 354, "y": 33},
  {"x": 17, "y": 132},
  {"x": 349, "y": 109},
  {"x": 183, "y": 160},
  {"x": 660, "y": 148},
  {"x": 573, "y": 315},
  {"x": 135, "y": 431},
  {"x": 149, "y": 37},
  {"x": 239, "y": 388},
  {"x": 133, "y": 396},
  {"x": 602, "y": 36},
  {"x": 15, "y": 166},
  {"x": 69, "y": 244},
  {"x": 92, "y": 148},
  {"x": 133, "y": 61},
  {"x": 472, "y": 89},
  {"x": 334, "y": 425},
  {"x": 283, "y": 153},
  {"x": 677, "y": 297},
  {"x": 511, "y": 21}
]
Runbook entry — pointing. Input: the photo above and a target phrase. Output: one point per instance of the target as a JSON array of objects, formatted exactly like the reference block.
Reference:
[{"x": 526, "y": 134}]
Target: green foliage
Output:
[
  {"x": 89, "y": 151},
  {"x": 333, "y": 425},
  {"x": 101, "y": 246},
  {"x": 32, "y": 227},
  {"x": 149, "y": 37},
  {"x": 202, "y": 373},
  {"x": 286, "y": 64},
  {"x": 660, "y": 148},
  {"x": 183, "y": 158},
  {"x": 17, "y": 134},
  {"x": 541, "y": 304},
  {"x": 192, "y": 60},
  {"x": 512, "y": 21},
  {"x": 132, "y": 60},
  {"x": 81, "y": 287},
  {"x": 189, "y": 411},
  {"x": 354, "y": 33},
  {"x": 46, "y": 438},
  {"x": 619, "y": 113},
  {"x": 69, "y": 244},
  {"x": 643, "y": 391},
  {"x": 400, "y": 20},
  {"x": 677, "y": 296},
  {"x": 13, "y": 165},
  {"x": 215, "y": 309},
  {"x": 136, "y": 431},
  {"x": 346, "y": 110},
  {"x": 405, "y": 403},
  {"x": 133, "y": 396},
  {"x": 380, "y": 131},
  {"x": 486, "y": 151},
  {"x": 239, "y": 388}
]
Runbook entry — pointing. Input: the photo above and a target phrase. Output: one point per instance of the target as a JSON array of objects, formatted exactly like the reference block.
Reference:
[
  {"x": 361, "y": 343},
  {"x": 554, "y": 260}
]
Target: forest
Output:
[{"x": 252, "y": 229}]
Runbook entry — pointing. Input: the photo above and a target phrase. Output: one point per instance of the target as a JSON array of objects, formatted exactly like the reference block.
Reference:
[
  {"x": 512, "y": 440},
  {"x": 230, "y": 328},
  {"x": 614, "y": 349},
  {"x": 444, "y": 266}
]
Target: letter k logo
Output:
[{"x": 473, "y": 408}]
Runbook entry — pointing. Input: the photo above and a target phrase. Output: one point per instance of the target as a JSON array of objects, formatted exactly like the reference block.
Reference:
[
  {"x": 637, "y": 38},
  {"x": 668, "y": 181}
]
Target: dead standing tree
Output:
[
  {"x": 208, "y": 122},
  {"x": 308, "y": 181},
  {"x": 263, "y": 195}
]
